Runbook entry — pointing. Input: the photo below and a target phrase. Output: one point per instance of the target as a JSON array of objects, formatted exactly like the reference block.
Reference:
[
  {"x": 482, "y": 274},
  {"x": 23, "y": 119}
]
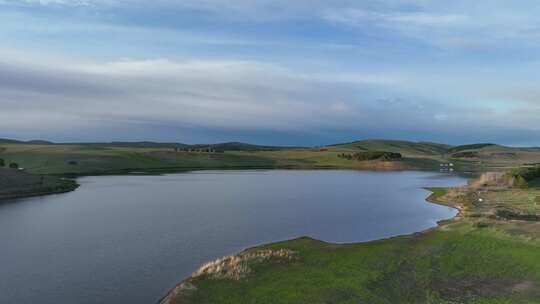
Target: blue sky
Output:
[{"x": 303, "y": 72}]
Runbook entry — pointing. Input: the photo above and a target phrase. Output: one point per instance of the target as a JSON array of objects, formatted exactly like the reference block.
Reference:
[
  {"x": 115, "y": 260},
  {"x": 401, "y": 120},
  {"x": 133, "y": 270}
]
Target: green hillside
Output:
[
  {"x": 406, "y": 148},
  {"x": 120, "y": 157},
  {"x": 468, "y": 147},
  {"x": 92, "y": 159}
]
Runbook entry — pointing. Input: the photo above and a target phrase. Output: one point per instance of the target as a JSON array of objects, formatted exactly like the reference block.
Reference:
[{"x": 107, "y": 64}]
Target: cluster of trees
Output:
[
  {"x": 207, "y": 150},
  {"x": 371, "y": 155},
  {"x": 11, "y": 165},
  {"x": 523, "y": 175}
]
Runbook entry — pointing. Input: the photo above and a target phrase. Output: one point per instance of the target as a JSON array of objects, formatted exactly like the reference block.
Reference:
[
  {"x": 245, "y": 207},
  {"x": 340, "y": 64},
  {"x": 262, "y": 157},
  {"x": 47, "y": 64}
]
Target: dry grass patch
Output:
[{"x": 236, "y": 267}]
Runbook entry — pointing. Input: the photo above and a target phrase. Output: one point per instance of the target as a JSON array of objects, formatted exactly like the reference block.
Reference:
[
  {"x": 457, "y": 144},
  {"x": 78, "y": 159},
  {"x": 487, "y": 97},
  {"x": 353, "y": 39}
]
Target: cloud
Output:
[
  {"x": 356, "y": 17},
  {"x": 49, "y": 2},
  {"x": 209, "y": 94},
  {"x": 287, "y": 66},
  {"x": 457, "y": 25},
  {"x": 245, "y": 96}
]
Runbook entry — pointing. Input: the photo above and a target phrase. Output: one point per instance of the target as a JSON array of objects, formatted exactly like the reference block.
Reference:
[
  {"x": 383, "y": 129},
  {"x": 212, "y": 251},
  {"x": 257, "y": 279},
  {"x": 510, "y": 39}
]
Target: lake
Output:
[{"x": 129, "y": 239}]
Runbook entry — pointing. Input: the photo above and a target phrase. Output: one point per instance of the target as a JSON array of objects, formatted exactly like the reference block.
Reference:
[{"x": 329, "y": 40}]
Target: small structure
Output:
[{"x": 446, "y": 167}]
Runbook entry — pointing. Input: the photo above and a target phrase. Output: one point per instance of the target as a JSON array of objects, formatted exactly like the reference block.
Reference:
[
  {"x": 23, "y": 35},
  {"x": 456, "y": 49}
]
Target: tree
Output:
[
  {"x": 2, "y": 162},
  {"x": 14, "y": 166}
]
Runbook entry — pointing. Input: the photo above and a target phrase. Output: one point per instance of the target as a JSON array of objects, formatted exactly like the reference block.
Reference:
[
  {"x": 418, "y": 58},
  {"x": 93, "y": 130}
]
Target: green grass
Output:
[
  {"x": 151, "y": 157},
  {"x": 438, "y": 192},
  {"x": 472, "y": 259},
  {"x": 98, "y": 159},
  {"x": 463, "y": 265},
  {"x": 399, "y": 146},
  {"x": 106, "y": 160}
]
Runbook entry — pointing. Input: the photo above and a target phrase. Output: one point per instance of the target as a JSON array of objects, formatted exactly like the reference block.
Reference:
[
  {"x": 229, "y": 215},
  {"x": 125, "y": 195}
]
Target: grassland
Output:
[
  {"x": 91, "y": 159},
  {"x": 477, "y": 257},
  {"x": 43, "y": 158},
  {"x": 98, "y": 159}
]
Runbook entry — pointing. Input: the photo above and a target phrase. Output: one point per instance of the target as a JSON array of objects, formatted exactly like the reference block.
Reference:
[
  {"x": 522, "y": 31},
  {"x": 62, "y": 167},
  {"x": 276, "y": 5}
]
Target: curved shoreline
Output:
[
  {"x": 172, "y": 170},
  {"x": 430, "y": 198},
  {"x": 186, "y": 284},
  {"x": 19, "y": 185}
]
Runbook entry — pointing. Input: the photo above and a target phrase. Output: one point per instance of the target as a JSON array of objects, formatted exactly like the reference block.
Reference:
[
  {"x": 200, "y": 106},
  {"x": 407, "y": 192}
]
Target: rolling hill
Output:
[
  {"x": 44, "y": 157},
  {"x": 398, "y": 146}
]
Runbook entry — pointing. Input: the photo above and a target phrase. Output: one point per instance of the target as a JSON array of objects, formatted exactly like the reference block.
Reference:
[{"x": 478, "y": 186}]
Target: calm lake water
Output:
[{"x": 128, "y": 239}]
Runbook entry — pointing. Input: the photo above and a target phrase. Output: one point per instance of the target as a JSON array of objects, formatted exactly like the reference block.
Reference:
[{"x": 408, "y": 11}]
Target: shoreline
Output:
[
  {"x": 186, "y": 284},
  {"x": 16, "y": 196},
  {"x": 431, "y": 198},
  {"x": 19, "y": 185},
  {"x": 167, "y": 170}
]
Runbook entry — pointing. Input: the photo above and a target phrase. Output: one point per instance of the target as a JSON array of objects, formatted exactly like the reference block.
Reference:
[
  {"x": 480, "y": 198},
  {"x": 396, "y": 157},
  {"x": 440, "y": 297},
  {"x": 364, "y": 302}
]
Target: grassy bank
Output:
[
  {"x": 17, "y": 184},
  {"x": 477, "y": 257}
]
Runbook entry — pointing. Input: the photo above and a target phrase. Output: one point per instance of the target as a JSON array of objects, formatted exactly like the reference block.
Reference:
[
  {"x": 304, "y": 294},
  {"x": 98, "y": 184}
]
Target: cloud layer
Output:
[
  {"x": 226, "y": 95},
  {"x": 312, "y": 70}
]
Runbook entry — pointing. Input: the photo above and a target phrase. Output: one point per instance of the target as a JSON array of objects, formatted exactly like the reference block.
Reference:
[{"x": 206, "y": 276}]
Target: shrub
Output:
[
  {"x": 2, "y": 162},
  {"x": 523, "y": 175},
  {"x": 14, "y": 166}
]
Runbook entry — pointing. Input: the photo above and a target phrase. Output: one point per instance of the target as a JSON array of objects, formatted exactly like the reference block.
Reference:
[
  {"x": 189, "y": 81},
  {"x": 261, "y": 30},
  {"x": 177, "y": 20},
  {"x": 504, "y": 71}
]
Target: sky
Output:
[{"x": 282, "y": 72}]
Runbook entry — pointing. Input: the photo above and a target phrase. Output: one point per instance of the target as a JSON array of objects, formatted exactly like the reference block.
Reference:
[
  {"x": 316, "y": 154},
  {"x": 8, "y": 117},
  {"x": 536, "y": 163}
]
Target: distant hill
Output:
[
  {"x": 10, "y": 141},
  {"x": 140, "y": 144},
  {"x": 406, "y": 148},
  {"x": 227, "y": 146},
  {"x": 486, "y": 153},
  {"x": 397, "y": 146},
  {"x": 39, "y": 142},
  {"x": 239, "y": 146},
  {"x": 35, "y": 141},
  {"x": 41, "y": 157},
  {"x": 469, "y": 147}
]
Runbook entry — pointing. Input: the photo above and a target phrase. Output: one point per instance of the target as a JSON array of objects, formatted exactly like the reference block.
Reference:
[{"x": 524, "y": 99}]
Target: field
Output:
[
  {"x": 114, "y": 158},
  {"x": 90, "y": 160},
  {"x": 477, "y": 257}
]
